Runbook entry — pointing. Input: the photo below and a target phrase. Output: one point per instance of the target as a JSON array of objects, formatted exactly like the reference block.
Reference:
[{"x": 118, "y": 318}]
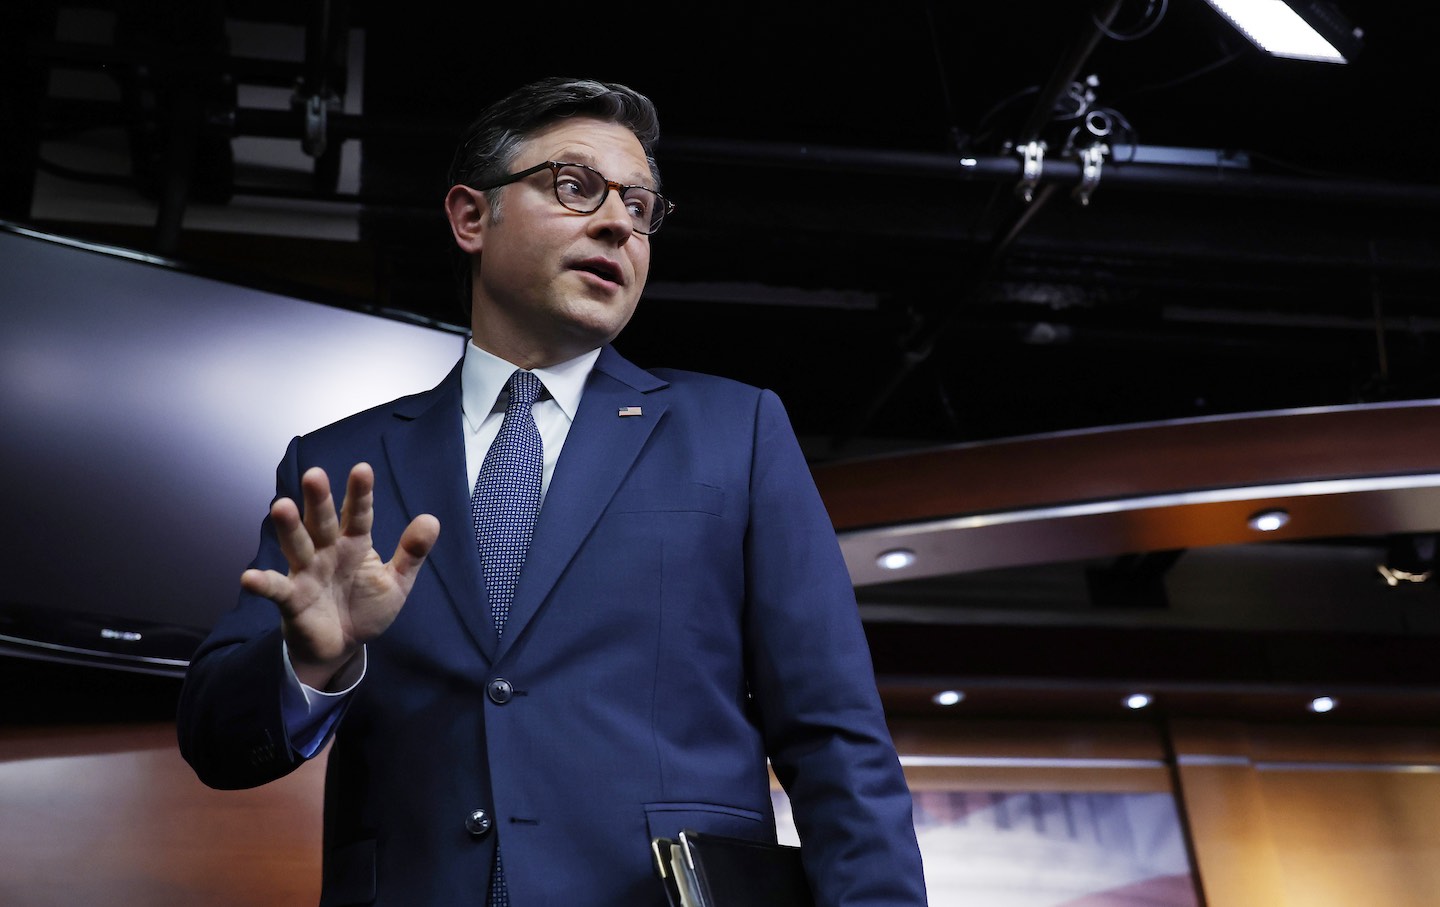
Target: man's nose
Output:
[{"x": 614, "y": 215}]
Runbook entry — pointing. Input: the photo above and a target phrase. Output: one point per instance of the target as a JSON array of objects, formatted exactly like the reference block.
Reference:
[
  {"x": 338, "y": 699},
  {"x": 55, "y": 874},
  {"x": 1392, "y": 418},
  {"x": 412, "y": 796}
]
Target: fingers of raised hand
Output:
[
  {"x": 320, "y": 519},
  {"x": 357, "y": 514},
  {"x": 269, "y": 584},
  {"x": 415, "y": 545},
  {"x": 294, "y": 538}
]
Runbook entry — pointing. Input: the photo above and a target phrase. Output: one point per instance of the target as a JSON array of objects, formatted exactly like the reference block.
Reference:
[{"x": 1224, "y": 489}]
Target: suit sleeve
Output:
[
  {"x": 813, "y": 682},
  {"x": 230, "y": 722}
]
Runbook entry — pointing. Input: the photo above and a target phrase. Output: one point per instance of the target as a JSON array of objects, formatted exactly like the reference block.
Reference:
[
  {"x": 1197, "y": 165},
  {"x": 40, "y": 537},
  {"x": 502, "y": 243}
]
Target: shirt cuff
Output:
[{"x": 310, "y": 715}]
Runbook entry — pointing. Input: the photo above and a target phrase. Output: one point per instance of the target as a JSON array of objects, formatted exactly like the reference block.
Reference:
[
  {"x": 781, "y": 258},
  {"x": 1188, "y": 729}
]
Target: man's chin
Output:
[{"x": 598, "y": 323}]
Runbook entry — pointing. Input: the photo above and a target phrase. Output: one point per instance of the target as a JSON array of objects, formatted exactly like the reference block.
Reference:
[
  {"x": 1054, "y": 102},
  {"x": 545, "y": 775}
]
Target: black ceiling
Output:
[
  {"x": 899, "y": 294},
  {"x": 1264, "y": 233}
]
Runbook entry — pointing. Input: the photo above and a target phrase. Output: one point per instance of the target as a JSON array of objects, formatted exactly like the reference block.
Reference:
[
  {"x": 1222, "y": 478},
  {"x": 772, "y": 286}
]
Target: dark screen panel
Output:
[{"x": 143, "y": 409}]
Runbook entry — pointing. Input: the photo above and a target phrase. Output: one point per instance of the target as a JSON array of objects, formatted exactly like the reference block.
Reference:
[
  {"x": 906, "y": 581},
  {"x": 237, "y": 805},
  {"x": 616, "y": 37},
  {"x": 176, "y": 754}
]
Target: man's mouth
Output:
[{"x": 601, "y": 267}]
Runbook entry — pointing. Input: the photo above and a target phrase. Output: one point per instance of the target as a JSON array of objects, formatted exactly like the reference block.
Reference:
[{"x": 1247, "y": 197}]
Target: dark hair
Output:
[
  {"x": 488, "y": 146},
  {"x": 487, "y": 149}
]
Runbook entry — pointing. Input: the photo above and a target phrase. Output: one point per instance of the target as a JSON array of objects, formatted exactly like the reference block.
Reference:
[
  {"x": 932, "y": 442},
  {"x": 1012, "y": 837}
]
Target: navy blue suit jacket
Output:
[{"x": 684, "y": 615}]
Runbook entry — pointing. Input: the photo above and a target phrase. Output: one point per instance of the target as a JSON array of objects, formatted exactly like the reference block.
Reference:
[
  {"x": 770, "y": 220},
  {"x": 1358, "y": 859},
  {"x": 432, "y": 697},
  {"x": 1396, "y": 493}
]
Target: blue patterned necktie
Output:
[
  {"x": 507, "y": 496},
  {"x": 504, "y": 506}
]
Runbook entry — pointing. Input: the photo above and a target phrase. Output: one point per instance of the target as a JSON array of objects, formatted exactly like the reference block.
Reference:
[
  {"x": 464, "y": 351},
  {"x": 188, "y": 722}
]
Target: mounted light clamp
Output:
[
  {"x": 1032, "y": 156},
  {"x": 316, "y": 106},
  {"x": 1092, "y": 159}
]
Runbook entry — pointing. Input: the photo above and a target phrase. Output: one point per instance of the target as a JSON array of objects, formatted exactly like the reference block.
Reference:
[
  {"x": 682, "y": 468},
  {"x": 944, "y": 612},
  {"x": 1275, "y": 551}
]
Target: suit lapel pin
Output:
[{"x": 629, "y": 411}]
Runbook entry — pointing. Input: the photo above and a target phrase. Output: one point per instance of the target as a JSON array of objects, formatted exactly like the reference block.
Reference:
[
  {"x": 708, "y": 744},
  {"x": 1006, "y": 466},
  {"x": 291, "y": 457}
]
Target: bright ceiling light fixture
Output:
[
  {"x": 1300, "y": 29},
  {"x": 1269, "y": 520},
  {"x": 896, "y": 558}
]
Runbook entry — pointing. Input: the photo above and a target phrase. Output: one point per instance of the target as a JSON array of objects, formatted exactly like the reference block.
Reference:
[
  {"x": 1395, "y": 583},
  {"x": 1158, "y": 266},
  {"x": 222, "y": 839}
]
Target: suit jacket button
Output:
[
  {"x": 499, "y": 690},
  {"x": 478, "y": 823}
]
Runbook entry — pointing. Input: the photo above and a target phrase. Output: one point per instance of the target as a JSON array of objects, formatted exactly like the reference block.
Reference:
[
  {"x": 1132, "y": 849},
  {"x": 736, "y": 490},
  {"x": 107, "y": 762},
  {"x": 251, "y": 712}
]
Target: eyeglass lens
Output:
[{"x": 582, "y": 189}]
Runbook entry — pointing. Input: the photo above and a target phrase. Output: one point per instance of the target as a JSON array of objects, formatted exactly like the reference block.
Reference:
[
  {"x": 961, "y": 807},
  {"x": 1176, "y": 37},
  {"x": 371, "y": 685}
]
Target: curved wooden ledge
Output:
[{"x": 1368, "y": 469}]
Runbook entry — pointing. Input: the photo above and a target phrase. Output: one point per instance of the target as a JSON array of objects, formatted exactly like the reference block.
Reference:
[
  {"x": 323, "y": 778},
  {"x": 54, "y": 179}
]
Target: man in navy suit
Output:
[{"x": 683, "y": 621}]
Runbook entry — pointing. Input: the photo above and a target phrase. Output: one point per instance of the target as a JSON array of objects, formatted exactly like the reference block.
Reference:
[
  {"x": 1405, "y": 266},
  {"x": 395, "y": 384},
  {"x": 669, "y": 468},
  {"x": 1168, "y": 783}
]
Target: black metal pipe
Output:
[
  {"x": 1002, "y": 168},
  {"x": 678, "y": 151}
]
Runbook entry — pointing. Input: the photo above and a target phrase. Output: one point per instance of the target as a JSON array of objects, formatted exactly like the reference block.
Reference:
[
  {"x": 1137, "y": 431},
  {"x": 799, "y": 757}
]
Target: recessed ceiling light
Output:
[
  {"x": 1269, "y": 520},
  {"x": 1137, "y": 700},
  {"x": 1322, "y": 704},
  {"x": 896, "y": 558},
  {"x": 947, "y": 697}
]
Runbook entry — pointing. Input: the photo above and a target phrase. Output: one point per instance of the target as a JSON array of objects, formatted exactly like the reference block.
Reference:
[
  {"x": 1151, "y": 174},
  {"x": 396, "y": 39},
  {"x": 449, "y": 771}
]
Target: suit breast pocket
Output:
[{"x": 688, "y": 497}]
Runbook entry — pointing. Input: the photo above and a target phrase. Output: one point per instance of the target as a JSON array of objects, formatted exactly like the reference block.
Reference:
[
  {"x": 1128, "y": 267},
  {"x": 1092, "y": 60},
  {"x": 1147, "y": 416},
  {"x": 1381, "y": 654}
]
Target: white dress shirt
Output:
[{"x": 482, "y": 383}]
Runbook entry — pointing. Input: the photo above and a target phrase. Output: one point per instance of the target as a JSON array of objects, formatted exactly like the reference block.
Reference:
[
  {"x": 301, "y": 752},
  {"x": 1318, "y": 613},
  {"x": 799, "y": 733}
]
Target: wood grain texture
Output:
[{"x": 114, "y": 816}]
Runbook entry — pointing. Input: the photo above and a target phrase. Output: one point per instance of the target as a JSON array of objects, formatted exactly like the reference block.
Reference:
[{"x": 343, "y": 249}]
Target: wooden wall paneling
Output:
[
  {"x": 1234, "y": 841},
  {"x": 114, "y": 816},
  {"x": 1355, "y": 836},
  {"x": 1279, "y": 816},
  {"x": 1316, "y": 816}
]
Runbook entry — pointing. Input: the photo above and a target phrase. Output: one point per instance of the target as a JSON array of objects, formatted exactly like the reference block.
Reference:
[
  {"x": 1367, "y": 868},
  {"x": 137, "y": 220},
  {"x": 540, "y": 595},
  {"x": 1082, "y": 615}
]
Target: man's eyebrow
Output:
[
  {"x": 576, "y": 157},
  {"x": 638, "y": 178}
]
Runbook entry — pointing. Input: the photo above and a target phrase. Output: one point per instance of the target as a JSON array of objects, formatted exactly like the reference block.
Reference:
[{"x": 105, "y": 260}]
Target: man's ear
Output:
[{"x": 469, "y": 213}]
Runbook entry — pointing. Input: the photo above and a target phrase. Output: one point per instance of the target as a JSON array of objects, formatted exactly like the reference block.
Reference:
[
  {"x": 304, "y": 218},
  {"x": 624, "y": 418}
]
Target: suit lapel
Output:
[
  {"x": 598, "y": 454},
  {"x": 427, "y": 461}
]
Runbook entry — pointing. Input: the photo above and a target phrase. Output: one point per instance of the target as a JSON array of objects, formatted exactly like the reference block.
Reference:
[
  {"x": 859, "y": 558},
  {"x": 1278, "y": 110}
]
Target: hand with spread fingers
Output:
[{"x": 338, "y": 594}]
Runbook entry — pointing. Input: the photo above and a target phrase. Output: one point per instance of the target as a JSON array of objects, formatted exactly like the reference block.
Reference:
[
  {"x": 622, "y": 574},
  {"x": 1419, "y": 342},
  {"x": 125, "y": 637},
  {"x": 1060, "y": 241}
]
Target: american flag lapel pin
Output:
[{"x": 628, "y": 411}]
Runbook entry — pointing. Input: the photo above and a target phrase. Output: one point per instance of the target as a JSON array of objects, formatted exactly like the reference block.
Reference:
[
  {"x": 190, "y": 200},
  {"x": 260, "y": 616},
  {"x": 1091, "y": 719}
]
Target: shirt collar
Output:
[{"x": 484, "y": 374}]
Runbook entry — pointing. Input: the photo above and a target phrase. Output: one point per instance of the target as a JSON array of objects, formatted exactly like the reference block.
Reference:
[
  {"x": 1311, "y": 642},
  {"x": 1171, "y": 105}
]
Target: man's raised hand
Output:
[{"x": 338, "y": 594}]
